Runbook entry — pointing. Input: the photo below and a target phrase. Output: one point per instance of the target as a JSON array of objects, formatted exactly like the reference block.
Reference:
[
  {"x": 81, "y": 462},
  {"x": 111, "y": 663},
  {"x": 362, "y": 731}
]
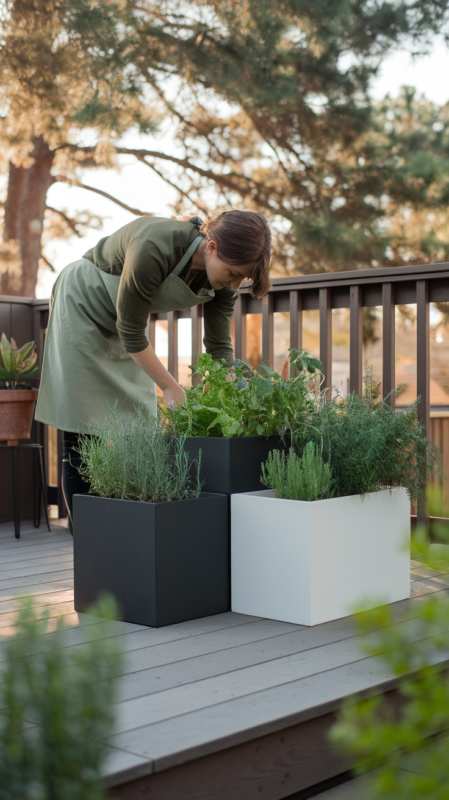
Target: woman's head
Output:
[{"x": 238, "y": 243}]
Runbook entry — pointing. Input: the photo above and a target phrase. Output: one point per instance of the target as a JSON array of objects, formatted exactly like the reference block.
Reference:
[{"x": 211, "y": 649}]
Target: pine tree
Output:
[
  {"x": 274, "y": 113},
  {"x": 62, "y": 76}
]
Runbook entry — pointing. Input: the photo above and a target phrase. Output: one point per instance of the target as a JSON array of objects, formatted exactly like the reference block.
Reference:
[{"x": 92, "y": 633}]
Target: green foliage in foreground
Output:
[
  {"x": 409, "y": 644},
  {"x": 298, "y": 478},
  {"x": 68, "y": 694},
  {"x": 136, "y": 460},
  {"x": 235, "y": 400},
  {"x": 369, "y": 446},
  {"x": 16, "y": 364}
]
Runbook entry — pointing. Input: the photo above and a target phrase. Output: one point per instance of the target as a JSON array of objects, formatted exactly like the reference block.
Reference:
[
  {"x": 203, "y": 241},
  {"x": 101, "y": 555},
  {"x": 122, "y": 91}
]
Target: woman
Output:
[{"x": 97, "y": 353}]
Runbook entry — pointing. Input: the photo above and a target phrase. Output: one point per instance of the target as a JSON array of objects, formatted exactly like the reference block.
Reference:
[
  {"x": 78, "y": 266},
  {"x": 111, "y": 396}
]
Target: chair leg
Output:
[
  {"x": 43, "y": 487},
  {"x": 16, "y": 492},
  {"x": 36, "y": 517}
]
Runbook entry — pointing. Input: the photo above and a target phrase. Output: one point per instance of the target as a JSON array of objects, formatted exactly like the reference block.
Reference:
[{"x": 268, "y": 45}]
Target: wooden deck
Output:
[{"x": 224, "y": 707}]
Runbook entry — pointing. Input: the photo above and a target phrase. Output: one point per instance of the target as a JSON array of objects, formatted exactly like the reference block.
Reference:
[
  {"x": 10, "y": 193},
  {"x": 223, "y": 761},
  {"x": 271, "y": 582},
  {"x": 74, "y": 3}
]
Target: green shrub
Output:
[
  {"x": 377, "y": 732},
  {"x": 137, "y": 460},
  {"x": 297, "y": 478},
  {"x": 368, "y": 446},
  {"x": 56, "y": 711},
  {"x": 235, "y": 400}
]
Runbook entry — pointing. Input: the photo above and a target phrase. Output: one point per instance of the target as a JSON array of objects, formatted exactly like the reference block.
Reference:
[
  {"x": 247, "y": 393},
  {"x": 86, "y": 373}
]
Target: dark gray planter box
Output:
[
  {"x": 163, "y": 562},
  {"x": 232, "y": 465}
]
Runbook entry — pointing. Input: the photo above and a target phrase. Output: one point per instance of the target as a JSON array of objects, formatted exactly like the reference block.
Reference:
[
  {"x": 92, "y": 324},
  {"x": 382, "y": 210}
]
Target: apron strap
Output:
[{"x": 187, "y": 255}]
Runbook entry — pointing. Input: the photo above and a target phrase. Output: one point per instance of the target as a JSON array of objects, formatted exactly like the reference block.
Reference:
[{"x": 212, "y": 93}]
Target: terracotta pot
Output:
[{"x": 16, "y": 413}]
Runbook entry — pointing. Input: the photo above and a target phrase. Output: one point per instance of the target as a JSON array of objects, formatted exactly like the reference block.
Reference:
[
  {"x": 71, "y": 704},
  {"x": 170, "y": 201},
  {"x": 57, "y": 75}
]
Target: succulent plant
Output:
[{"x": 16, "y": 364}]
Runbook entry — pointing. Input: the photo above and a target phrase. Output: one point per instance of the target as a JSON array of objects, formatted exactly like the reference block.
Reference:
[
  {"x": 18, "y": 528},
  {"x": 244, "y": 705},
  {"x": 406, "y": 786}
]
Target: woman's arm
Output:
[{"x": 149, "y": 362}]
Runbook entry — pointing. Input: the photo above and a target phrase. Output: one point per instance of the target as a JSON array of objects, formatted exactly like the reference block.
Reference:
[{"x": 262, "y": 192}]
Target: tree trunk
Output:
[{"x": 24, "y": 218}]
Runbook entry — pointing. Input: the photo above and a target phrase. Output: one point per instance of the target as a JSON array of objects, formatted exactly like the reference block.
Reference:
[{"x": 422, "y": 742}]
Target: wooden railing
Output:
[
  {"x": 353, "y": 290},
  {"x": 26, "y": 319}
]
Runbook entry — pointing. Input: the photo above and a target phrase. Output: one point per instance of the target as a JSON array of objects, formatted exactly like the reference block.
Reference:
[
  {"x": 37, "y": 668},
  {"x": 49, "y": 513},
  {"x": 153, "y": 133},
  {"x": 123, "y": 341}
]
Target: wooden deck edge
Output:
[
  {"x": 271, "y": 766},
  {"x": 285, "y": 755}
]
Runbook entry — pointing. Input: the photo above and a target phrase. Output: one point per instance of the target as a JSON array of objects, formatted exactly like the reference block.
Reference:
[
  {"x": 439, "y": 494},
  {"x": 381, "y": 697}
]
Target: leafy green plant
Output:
[
  {"x": 369, "y": 446},
  {"x": 378, "y": 733},
  {"x": 56, "y": 710},
  {"x": 294, "y": 477},
  {"x": 16, "y": 364},
  {"x": 137, "y": 460},
  {"x": 235, "y": 400}
]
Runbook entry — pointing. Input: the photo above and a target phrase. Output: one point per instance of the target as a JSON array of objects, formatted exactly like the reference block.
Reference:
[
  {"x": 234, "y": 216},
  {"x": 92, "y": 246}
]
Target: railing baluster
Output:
[
  {"x": 240, "y": 327},
  {"x": 423, "y": 352},
  {"x": 295, "y": 325},
  {"x": 197, "y": 335},
  {"x": 296, "y": 319},
  {"x": 172, "y": 317},
  {"x": 355, "y": 339},
  {"x": 388, "y": 343},
  {"x": 325, "y": 303},
  {"x": 267, "y": 330}
]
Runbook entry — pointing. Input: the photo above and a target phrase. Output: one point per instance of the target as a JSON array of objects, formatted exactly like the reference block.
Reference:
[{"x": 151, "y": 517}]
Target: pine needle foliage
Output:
[
  {"x": 369, "y": 446},
  {"x": 69, "y": 694},
  {"x": 295, "y": 477},
  {"x": 137, "y": 460}
]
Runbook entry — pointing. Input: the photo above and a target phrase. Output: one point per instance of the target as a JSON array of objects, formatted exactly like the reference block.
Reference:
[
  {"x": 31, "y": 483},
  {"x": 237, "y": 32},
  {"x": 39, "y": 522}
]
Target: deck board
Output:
[{"x": 207, "y": 689}]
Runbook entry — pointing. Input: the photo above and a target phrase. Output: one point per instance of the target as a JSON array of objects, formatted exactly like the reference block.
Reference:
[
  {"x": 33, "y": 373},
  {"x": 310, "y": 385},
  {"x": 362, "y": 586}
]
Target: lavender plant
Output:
[
  {"x": 295, "y": 477},
  {"x": 137, "y": 460}
]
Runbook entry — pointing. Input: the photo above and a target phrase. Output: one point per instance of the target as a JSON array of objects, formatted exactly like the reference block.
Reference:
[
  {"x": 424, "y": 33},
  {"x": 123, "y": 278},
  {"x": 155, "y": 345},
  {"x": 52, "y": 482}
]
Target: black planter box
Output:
[
  {"x": 232, "y": 465},
  {"x": 163, "y": 562}
]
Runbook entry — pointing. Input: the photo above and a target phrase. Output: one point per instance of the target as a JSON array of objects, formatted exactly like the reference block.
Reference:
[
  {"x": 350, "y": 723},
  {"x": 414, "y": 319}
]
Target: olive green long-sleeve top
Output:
[{"x": 144, "y": 253}]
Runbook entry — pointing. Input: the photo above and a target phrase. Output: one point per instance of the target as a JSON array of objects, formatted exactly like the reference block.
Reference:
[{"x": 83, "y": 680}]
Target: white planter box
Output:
[{"x": 309, "y": 563}]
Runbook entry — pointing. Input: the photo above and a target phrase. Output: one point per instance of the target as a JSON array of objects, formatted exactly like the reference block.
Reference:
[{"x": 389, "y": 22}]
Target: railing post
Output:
[
  {"x": 240, "y": 327},
  {"x": 355, "y": 339},
  {"x": 423, "y": 352},
  {"x": 172, "y": 317},
  {"x": 197, "y": 334},
  {"x": 325, "y": 304},
  {"x": 388, "y": 344},
  {"x": 267, "y": 330}
]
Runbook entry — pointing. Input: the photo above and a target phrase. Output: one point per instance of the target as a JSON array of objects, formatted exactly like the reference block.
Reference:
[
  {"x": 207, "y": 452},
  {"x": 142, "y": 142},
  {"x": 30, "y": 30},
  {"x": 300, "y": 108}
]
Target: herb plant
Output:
[
  {"x": 137, "y": 460},
  {"x": 68, "y": 693},
  {"x": 235, "y": 400},
  {"x": 294, "y": 477},
  {"x": 16, "y": 364},
  {"x": 369, "y": 446}
]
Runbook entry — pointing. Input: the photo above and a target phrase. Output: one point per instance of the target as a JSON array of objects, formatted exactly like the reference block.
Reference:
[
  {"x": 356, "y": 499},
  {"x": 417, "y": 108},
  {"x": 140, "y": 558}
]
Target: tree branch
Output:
[
  {"x": 74, "y": 182},
  {"x": 178, "y": 188},
  {"x": 141, "y": 155},
  {"x": 70, "y": 222},
  {"x": 46, "y": 261}
]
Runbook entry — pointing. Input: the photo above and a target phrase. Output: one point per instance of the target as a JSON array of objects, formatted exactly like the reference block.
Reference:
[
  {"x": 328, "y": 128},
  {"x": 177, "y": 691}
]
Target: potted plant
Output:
[
  {"x": 146, "y": 533},
  {"x": 334, "y": 525},
  {"x": 237, "y": 415},
  {"x": 17, "y": 400}
]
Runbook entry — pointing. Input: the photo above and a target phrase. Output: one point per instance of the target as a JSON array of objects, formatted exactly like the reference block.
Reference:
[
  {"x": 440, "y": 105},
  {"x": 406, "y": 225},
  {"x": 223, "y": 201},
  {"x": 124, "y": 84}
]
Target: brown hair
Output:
[{"x": 243, "y": 238}]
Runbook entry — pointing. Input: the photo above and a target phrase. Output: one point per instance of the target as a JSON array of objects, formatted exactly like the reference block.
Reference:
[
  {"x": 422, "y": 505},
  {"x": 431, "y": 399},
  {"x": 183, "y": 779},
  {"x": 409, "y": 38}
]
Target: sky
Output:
[{"x": 137, "y": 186}]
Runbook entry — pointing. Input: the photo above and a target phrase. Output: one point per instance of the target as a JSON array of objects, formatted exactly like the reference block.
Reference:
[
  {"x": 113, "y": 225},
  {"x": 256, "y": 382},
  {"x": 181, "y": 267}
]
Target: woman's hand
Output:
[
  {"x": 149, "y": 362},
  {"x": 174, "y": 396}
]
